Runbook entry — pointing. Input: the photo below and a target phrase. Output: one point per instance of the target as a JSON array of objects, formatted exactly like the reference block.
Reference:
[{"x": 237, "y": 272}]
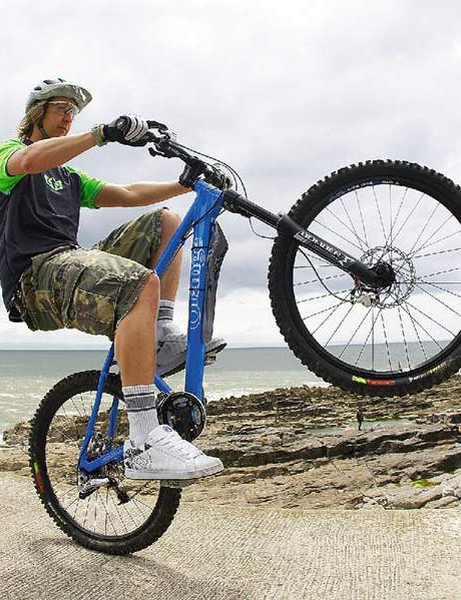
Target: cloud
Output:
[{"x": 285, "y": 92}]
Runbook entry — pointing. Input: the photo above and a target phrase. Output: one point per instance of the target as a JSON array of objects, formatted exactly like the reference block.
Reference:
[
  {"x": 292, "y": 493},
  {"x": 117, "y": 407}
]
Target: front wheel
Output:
[
  {"x": 122, "y": 515},
  {"x": 392, "y": 341}
]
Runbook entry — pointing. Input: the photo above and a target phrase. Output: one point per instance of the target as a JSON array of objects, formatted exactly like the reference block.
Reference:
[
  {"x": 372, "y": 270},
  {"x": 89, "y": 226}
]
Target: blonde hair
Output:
[{"x": 34, "y": 116}]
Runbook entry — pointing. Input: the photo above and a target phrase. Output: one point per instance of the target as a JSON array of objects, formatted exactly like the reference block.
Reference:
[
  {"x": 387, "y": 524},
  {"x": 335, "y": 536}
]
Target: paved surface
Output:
[{"x": 211, "y": 552}]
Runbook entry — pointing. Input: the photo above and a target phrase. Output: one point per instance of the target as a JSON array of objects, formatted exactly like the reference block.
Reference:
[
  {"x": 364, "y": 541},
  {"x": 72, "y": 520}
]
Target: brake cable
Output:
[{"x": 235, "y": 176}]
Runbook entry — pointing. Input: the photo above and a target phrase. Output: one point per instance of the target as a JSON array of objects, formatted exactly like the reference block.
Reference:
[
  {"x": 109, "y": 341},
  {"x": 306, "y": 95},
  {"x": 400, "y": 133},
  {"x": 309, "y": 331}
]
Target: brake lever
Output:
[
  {"x": 159, "y": 151},
  {"x": 156, "y": 125}
]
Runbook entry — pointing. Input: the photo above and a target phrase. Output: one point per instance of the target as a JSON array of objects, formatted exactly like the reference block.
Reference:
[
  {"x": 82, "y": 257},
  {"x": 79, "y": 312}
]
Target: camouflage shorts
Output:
[{"x": 90, "y": 290}]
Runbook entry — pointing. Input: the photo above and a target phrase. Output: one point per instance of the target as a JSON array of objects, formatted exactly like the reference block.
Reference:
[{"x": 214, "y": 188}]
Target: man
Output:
[{"x": 49, "y": 282}]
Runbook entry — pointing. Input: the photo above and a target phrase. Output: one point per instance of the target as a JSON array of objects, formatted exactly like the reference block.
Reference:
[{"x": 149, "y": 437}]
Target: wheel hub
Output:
[{"x": 398, "y": 278}]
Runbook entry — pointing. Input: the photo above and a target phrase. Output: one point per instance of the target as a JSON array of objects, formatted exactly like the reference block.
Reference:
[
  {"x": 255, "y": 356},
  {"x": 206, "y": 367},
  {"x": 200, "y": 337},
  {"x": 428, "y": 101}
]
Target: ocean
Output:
[{"x": 26, "y": 375}]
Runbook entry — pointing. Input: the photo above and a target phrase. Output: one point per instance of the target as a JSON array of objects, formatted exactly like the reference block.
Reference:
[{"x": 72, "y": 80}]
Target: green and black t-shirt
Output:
[{"x": 38, "y": 213}]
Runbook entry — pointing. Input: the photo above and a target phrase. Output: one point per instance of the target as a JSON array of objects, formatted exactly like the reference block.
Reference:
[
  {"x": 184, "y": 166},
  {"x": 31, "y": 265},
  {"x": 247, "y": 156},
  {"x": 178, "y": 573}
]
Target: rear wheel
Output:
[
  {"x": 396, "y": 340},
  {"x": 122, "y": 515}
]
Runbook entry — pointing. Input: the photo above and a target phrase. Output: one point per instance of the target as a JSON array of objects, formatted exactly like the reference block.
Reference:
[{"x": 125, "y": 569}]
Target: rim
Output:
[{"x": 413, "y": 322}]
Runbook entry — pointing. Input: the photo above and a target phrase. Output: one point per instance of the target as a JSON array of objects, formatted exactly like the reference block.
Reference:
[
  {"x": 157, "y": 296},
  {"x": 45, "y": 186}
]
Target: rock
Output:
[
  {"x": 13, "y": 459},
  {"x": 301, "y": 447},
  {"x": 447, "y": 502},
  {"x": 452, "y": 487}
]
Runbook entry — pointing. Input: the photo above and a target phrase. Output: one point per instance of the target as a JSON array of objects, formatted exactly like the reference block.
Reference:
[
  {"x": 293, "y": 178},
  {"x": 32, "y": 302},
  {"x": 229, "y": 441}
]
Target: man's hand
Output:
[
  {"x": 191, "y": 173},
  {"x": 127, "y": 130}
]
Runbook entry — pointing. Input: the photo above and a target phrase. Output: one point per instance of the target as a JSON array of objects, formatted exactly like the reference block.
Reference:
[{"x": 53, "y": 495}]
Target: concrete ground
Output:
[{"x": 213, "y": 552}]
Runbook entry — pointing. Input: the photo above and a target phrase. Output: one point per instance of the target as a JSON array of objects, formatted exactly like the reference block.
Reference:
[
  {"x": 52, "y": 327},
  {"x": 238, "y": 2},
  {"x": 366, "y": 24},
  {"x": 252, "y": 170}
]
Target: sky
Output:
[{"x": 286, "y": 92}]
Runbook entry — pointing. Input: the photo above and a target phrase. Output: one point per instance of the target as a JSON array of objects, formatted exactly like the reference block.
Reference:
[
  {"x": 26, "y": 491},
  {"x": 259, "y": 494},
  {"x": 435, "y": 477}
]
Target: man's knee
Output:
[
  {"x": 151, "y": 291},
  {"x": 170, "y": 221}
]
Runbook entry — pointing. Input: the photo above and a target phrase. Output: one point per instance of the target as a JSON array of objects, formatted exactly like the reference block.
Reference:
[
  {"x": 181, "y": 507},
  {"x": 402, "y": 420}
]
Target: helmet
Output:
[{"x": 48, "y": 88}]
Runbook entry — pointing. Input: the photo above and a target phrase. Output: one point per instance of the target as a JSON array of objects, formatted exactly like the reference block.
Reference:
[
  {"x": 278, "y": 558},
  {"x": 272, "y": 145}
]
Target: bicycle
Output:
[{"x": 370, "y": 308}]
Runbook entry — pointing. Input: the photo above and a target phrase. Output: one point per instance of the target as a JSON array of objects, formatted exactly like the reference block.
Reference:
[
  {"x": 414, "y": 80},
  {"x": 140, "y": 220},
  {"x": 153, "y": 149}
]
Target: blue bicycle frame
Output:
[{"x": 200, "y": 217}]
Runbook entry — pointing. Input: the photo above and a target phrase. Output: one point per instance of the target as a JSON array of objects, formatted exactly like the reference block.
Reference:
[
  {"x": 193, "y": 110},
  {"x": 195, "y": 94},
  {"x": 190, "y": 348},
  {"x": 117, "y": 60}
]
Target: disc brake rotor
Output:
[{"x": 399, "y": 290}]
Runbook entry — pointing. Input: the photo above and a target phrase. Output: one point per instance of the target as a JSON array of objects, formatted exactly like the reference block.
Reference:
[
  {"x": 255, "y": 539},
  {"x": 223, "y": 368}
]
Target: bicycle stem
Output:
[{"x": 234, "y": 202}]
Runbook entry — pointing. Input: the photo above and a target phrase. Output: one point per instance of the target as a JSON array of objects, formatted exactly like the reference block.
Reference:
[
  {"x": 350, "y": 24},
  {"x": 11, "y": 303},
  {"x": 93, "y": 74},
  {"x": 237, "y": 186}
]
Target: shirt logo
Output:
[{"x": 55, "y": 184}]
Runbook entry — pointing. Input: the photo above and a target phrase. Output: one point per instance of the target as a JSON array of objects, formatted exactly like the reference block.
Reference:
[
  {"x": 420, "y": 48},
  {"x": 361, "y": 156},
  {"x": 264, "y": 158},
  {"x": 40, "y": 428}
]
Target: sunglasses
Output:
[{"x": 65, "y": 108}]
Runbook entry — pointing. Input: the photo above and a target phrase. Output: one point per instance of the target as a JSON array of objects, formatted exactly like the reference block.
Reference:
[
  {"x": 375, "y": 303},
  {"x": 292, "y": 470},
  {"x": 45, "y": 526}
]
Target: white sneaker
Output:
[
  {"x": 165, "y": 455},
  {"x": 172, "y": 350}
]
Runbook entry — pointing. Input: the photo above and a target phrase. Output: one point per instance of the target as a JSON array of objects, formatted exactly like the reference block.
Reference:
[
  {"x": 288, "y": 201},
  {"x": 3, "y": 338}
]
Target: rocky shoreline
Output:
[{"x": 301, "y": 447}]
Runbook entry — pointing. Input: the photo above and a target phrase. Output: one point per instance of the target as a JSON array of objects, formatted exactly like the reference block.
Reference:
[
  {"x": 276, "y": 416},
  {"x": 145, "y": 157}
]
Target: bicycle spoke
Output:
[
  {"x": 390, "y": 216},
  {"x": 100, "y": 512},
  {"x": 394, "y": 221},
  {"x": 423, "y": 229},
  {"x": 387, "y": 343},
  {"x": 353, "y": 229},
  {"x": 437, "y": 253},
  {"x": 425, "y": 243},
  {"x": 137, "y": 502},
  {"x": 432, "y": 284},
  {"x": 402, "y": 328},
  {"x": 94, "y": 498},
  {"x": 455, "y": 312},
  {"x": 409, "y": 216},
  {"x": 319, "y": 313},
  {"x": 421, "y": 281},
  {"x": 421, "y": 326},
  {"x": 379, "y": 213},
  {"x": 327, "y": 318},
  {"x": 117, "y": 511},
  {"x": 370, "y": 333},
  {"x": 353, "y": 335},
  {"x": 321, "y": 265},
  {"x": 442, "y": 239},
  {"x": 327, "y": 278},
  {"x": 441, "y": 272},
  {"x": 348, "y": 241},
  {"x": 343, "y": 320},
  {"x": 361, "y": 218},
  {"x": 327, "y": 295},
  {"x": 86, "y": 513},
  {"x": 430, "y": 318}
]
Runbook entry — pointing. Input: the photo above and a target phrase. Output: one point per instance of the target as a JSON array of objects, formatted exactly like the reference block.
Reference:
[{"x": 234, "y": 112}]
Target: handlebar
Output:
[
  {"x": 168, "y": 148},
  {"x": 165, "y": 145}
]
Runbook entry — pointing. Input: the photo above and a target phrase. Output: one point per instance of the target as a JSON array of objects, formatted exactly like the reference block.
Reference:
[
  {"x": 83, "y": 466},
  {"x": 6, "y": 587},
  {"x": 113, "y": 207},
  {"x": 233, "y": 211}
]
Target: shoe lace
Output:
[{"x": 180, "y": 446}]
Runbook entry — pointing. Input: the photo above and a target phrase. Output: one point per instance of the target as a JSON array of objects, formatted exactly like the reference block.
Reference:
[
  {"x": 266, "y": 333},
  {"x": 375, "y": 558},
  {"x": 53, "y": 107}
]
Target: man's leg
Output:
[
  {"x": 102, "y": 294},
  {"x": 135, "y": 351},
  {"x": 153, "y": 451},
  {"x": 135, "y": 337},
  {"x": 169, "y": 283},
  {"x": 142, "y": 240}
]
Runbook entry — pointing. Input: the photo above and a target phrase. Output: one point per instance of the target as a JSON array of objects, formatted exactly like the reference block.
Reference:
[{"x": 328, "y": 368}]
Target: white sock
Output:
[
  {"x": 142, "y": 411},
  {"x": 165, "y": 318}
]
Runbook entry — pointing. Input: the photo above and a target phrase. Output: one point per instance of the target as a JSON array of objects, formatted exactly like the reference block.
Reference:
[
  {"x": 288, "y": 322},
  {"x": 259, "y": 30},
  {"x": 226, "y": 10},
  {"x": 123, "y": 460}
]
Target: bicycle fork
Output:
[{"x": 379, "y": 276}]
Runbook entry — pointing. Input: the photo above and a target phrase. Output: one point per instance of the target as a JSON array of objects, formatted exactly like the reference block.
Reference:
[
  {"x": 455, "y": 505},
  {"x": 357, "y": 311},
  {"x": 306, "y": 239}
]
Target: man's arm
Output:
[
  {"x": 138, "y": 194},
  {"x": 46, "y": 154}
]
